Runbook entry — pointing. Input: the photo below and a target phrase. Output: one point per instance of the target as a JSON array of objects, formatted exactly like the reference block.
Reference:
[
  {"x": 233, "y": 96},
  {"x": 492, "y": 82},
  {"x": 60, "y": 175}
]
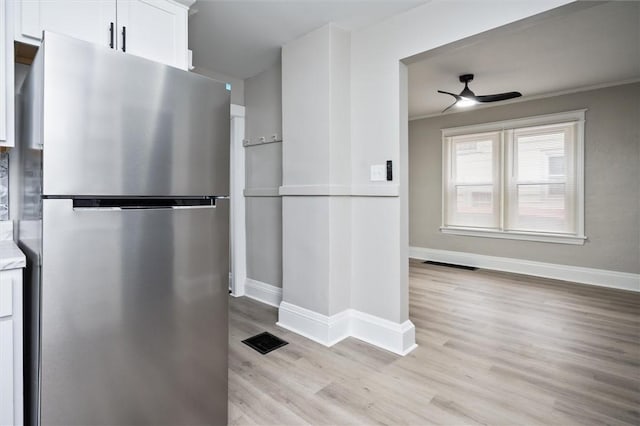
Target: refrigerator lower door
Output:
[{"x": 134, "y": 315}]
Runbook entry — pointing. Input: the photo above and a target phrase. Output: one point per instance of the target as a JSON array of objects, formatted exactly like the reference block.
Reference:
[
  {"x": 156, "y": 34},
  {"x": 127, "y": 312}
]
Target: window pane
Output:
[
  {"x": 473, "y": 206},
  {"x": 473, "y": 161},
  {"x": 556, "y": 166},
  {"x": 541, "y": 208},
  {"x": 541, "y": 157}
]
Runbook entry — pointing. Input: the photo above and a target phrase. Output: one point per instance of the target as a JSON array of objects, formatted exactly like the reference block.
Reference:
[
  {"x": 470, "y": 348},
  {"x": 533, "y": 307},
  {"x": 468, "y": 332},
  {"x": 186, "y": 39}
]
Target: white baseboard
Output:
[
  {"x": 320, "y": 328},
  {"x": 329, "y": 330},
  {"x": 263, "y": 292},
  {"x": 399, "y": 338},
  {"x": 591, "y": 276}
]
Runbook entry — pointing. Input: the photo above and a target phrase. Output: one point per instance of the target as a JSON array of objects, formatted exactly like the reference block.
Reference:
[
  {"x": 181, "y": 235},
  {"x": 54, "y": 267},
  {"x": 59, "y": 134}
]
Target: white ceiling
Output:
[
  {"x": 242, "y": 38},
  {"x": 594, "y": 45}
]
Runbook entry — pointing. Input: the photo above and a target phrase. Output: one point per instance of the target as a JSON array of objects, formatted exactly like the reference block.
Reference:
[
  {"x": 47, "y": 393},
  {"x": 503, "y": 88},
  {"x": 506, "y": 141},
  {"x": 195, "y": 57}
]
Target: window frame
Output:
[
  {"x": 575, "y": 119},
  {"x": 496, "y": 189}
]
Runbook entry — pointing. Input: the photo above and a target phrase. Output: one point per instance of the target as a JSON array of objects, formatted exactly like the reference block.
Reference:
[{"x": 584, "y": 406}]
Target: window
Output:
[{"x": 520, "y": 179}]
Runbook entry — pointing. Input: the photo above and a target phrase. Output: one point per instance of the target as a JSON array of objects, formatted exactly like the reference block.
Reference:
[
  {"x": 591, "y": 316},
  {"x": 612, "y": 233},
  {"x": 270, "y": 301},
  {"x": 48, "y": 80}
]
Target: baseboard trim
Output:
[
  {"x": 329, "y": 330},
  {"x": 399, "y": 338},
  {"x": 582, "y": 275},
  {"x": 263, "y": 292}
]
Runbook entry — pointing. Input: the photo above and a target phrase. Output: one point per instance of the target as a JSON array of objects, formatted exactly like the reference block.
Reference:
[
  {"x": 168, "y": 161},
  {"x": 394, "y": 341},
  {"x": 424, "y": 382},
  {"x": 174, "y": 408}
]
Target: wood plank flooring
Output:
[{"x": 494, "y": 348}]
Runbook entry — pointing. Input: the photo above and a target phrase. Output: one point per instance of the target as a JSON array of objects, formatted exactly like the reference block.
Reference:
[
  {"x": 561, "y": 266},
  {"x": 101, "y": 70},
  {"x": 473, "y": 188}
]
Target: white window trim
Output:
[{"x": 576, "y": 116}]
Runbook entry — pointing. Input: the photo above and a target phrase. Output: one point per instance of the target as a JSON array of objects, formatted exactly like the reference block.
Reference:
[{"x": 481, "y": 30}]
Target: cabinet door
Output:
[
  {"x": 6, "y": 372},
  {"x": 155, "y": 29},
  {"x": 82, "y": 19},
  {"x": 3, "y": 78}
]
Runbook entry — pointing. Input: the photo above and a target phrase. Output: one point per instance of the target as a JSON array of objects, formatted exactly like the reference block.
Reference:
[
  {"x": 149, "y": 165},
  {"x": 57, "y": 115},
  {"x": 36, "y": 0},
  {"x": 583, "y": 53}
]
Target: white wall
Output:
[
  {"x": 263, "y": 165},
  {"x": 306, "y": 113},
  {"x": 263, "y": 99},
  {"x": 379, "y": 132},
  {"x": 316, "y": 163},
  {"x": 345, "y": 239}
]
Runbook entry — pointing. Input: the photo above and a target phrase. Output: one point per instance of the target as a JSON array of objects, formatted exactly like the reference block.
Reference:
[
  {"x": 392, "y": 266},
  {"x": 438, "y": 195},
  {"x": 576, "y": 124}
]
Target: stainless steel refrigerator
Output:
[{"x": 125, "y": 220}]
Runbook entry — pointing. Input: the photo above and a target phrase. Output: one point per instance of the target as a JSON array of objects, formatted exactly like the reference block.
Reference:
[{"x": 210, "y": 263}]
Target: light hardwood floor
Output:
[{"x": 494, "y": 348}]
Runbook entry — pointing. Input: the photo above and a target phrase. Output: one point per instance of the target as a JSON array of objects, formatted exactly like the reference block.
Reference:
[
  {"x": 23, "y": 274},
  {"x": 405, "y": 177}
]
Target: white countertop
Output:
[{"x": 10, "y": 256}]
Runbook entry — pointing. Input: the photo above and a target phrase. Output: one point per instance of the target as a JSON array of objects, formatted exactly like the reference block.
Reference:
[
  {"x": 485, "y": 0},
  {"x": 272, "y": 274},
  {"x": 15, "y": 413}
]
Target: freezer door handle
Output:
[
  {"x": 97, "y": 209},
  {"x": 114, "y": 204},
  {"x": 124, "y": 209},
  {"x": 210, "y": 206}
]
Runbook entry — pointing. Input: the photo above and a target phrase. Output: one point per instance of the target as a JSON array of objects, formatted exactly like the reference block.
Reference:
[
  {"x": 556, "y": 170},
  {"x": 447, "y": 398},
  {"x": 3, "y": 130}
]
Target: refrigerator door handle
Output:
[
  {"x": 124, "y": 209},
  {"x": 97, "y": 209},
  {"x": 111, "y": 204},
  {"x": 210, "y": 206}
]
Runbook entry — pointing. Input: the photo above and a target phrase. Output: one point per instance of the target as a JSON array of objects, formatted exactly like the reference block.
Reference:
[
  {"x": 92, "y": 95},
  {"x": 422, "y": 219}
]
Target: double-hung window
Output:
[{"x": 519, "y": 179}]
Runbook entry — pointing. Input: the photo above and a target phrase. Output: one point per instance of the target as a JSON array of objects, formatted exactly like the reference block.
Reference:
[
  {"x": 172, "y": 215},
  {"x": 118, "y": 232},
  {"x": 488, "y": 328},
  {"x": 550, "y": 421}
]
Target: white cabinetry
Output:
[
  {"x": 11, "y": 386},
  {"x": 154, "y": 29},
  {"x": 86, "y": 20},
  {"x": 4, "y": 81}
]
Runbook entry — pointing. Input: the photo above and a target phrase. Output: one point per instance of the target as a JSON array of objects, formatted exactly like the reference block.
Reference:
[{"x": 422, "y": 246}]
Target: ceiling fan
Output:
[{"x": 468, "y": 98}]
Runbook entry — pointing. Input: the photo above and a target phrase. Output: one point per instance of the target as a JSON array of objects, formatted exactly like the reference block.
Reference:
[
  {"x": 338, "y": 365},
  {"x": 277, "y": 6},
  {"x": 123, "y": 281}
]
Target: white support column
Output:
[
  {"x": 238, "y": 224},
  {"x": 318, "y": 199}
]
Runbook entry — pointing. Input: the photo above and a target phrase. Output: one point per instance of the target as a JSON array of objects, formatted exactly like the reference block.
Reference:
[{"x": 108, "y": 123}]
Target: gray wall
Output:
[
  {"x": 263, "y": 103},
  {"x": 237, "y": 85},
  {"x": 612, "y": 181}
]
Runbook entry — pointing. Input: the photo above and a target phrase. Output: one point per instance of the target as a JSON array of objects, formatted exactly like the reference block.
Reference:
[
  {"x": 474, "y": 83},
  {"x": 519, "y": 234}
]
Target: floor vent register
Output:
[
  {"x": 265, "y": 342},
  {"x": 451, "y": 265}
]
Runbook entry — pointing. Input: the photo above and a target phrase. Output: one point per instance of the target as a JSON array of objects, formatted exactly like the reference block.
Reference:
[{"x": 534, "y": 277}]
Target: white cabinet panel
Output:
[
  {"x": 6, "y": 372},
  {"x": 6, "y": 297},
  {"x": 86, "y": 20},
  {"x": 155, "y": 29},
  {"x": 11, "y": 384},
  {"x": 4, "y": 81}
]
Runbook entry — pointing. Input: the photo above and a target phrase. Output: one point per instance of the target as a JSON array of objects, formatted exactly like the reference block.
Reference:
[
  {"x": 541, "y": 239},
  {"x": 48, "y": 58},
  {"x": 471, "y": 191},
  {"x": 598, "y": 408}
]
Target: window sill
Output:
[{"x": 516, "y": 235}]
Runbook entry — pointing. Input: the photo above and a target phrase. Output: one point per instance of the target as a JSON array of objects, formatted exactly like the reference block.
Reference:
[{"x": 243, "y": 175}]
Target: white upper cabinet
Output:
[
  {"x": 82, "y": 19},
  {"x": 153, "y": 29},
  {"x": 4, "y": 81}
]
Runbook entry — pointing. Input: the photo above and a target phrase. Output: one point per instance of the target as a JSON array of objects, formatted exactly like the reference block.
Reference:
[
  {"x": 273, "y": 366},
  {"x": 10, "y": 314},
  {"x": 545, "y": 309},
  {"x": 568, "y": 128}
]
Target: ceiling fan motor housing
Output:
[{"x": 465, "y": 78}]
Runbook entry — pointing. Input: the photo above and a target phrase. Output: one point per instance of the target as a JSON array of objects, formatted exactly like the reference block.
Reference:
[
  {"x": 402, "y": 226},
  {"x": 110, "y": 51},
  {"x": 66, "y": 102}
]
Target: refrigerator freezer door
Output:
[
  {"x": 134, "y": 315},
  {"x": 119, "y": 125}
]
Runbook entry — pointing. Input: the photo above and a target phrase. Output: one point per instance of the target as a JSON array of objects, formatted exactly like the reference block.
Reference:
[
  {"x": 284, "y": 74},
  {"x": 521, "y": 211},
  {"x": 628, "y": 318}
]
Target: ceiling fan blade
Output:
[
  {"x": 449, "y": 93},
  {"x": 449, "y": 107},
  {"x": 498, "y": 97}
]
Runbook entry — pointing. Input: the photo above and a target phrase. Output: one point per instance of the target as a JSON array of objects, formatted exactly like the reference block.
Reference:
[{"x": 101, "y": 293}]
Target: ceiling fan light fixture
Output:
[
  {"x": 466, "y": 102},
  {"x": 467, "y": 98}
]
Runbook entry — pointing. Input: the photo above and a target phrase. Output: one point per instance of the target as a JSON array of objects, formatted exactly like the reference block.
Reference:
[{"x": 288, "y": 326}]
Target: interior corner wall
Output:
[
  {"x": 237, "y": 84},
  {"x": 306, "y": 71},
  {"x": 263, "y": 168},
  {"x": 612, "y": 175},
  {"x": 263, "y": 102},
  {"x": 376, "y": 133}
]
